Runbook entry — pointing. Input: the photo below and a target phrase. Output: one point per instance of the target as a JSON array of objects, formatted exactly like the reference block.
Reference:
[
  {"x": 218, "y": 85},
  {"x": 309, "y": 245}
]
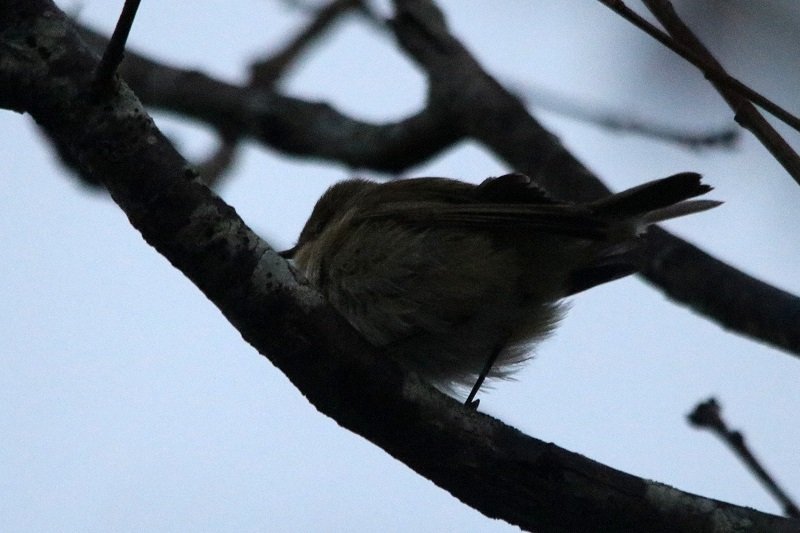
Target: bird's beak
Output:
[{"x": 288, "y": 254}]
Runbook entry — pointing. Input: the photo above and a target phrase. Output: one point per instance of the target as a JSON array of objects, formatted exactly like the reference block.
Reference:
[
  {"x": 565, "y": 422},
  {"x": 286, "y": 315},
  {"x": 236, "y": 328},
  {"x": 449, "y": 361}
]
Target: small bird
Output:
[{"x": 457, "y": 281}]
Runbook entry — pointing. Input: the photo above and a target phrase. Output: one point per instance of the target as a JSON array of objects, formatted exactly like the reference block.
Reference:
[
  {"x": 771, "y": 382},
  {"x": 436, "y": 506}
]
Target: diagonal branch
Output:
[
  {"x": 708, "y": 415},
  {"x": 711, "y": 69},
  {"x": 115, "y": 51},
  {"x": 485, "y": 463},
  {"x": 736, "y": 94},
  {"x": 214, "y": 168},
  {"x": 724, "y": 138},
  {"x": 266, "y": 72}
]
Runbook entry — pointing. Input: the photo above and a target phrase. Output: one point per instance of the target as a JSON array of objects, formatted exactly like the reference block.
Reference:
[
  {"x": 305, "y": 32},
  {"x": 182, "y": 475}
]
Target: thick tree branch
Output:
[{"x": 45, "y": 71}]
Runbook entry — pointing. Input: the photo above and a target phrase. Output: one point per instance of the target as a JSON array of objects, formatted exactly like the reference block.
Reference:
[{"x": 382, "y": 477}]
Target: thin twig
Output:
[
  {"x": 708, "y": 415},
  {"x": 709, "y": 70},
  {"x": 725, "y": 138},
  {"x": 115, "y": 51},
  {"x": 745, "y": 112},
  {"x": 266, "y": 72},
  {"x": 216, "y": 166}
]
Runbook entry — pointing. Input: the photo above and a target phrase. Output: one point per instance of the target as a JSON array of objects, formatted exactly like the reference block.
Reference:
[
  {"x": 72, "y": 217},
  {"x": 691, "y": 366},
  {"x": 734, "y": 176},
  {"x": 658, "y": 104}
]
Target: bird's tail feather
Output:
[{"x": 659, "y": 200}]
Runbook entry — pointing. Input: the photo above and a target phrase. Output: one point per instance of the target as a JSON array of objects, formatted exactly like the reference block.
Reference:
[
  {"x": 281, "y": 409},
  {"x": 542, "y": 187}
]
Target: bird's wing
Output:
[{"x": 561, "y": 219}]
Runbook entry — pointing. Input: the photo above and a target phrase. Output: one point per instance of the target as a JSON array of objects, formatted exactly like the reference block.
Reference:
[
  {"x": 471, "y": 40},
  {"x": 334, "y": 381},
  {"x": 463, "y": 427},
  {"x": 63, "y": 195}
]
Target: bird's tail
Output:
[{"x": 659, "y": 200}]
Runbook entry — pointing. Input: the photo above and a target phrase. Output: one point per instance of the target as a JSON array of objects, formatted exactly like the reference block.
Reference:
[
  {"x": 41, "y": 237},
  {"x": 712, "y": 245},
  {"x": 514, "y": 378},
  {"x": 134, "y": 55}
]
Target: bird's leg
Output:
[{"x": 471, "y": 402}]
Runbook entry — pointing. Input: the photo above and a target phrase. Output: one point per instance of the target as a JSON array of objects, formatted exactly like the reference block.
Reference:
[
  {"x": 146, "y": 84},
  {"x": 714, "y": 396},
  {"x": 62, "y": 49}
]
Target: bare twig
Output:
[
  {"x": 708, "y": 415},
  {"x": 710, "y": 70},
  {"x": 605, "y": 118},
  {"x": 745, "y": 112},
  {"x": 115, "y": 50},
  {"x": 215, "y": 167},
  {"x": 266, "y": 72}
]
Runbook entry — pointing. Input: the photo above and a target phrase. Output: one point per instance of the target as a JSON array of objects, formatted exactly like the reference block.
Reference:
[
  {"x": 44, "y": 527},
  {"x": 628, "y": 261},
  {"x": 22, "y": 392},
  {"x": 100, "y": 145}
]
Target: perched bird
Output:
[{"x": 457, "y": 281}]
